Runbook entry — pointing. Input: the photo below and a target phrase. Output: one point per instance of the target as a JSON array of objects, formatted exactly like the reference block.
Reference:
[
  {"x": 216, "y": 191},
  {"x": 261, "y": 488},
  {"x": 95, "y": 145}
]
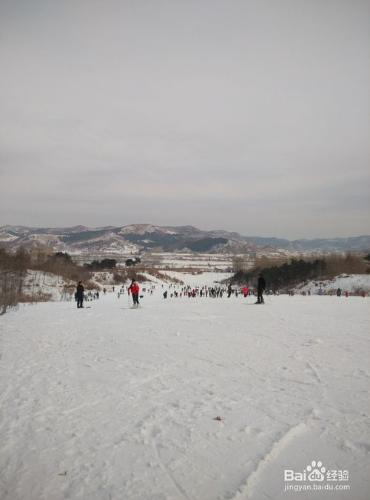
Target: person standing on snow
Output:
[
  {"x": 261, "y": 285},
  {"x": 134, "y": 289},
  {"x": 80, "y": 294},
  {"x": 229, "y": 291}
]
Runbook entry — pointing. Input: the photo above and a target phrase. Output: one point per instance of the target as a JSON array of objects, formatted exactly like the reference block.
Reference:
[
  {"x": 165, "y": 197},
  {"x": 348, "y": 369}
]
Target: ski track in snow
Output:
[
  {"x": 180, "y": 490},
  {"x": 278, "y": 446},
  {"x": 112, "y": 403}
]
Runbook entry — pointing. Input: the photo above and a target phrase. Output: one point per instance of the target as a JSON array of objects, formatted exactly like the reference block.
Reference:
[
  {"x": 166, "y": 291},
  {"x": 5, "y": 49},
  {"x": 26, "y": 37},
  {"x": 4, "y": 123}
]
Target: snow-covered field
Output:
[
  {"x": 198, "y": 280},
  {"x": 352, "y": 283},
  {"x": 201, "y": 261},
  {"x": 51, "y": 285},
  {"x": 114, "y": 403}
]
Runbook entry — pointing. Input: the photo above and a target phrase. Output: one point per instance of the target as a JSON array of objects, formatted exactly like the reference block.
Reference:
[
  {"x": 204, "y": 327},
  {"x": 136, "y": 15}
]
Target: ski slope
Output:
[
  {"x": 351, "y": 283},
  {"x": 115, "y": 403}
]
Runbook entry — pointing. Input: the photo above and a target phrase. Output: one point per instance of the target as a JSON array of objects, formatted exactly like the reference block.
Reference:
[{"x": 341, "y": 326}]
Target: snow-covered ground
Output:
[
  {"x": 198, "y": 280},
  {"x": 114, "y": 403},
  {"x": 201, "y": 261},
  {"x": 48, "y": 284},
  {"x": 352, "y": 283}
]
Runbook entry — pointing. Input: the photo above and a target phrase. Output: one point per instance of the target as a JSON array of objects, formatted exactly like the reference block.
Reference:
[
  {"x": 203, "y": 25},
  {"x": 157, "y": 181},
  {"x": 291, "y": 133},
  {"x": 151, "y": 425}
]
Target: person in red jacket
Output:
[{"x": 134, "y": 289}]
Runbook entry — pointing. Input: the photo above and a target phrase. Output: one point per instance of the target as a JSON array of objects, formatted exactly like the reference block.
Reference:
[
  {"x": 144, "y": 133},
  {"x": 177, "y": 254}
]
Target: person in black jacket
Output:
[
  {"x": 261, "y": 285},
  {"x": 80, "y": 294}
]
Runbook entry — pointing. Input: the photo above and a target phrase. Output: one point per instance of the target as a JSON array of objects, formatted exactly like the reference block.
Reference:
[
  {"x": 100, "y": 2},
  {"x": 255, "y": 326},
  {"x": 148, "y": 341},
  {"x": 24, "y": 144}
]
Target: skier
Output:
[
  {"x": 261, "y": 285},
  {"x": 339, "y": 292},
  {"x": 134, "y": 289},
  {"x": 229, "y": 291},
  {"x": 80, "y": 294}
]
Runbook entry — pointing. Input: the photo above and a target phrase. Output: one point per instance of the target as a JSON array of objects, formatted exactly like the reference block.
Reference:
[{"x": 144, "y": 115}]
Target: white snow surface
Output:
[
  {"x": 45, "y": 283},
  {"x": 110, "y": 402},
  {"x": 4, "y": 236},
  {"x": 347, "y": 282},
  {"x": 198, "y": 280}
]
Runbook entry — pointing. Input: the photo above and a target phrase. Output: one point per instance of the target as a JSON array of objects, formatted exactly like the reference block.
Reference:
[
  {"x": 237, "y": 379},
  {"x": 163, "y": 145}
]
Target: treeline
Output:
[
  {"x": 101, "y": 265},
  {"x": 59, "y": 263},
  {"x": 282, "y": 276},
  {"x": 110, "y": 264},
  {"x": 14, "y": 267},
  {"x": 12, "y": 274}
]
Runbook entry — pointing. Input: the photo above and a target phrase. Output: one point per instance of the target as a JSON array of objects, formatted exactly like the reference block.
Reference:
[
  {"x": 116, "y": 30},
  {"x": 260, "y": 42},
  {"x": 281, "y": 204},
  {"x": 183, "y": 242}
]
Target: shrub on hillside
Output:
[
  {"x": 62, "y": 265},
  {"x": 12, "y": 273},
  {"x": 286, "y": 275},
  {"x": 349, "y": 264},
  {"x": 11, "y": 284},
  {"x": 296, "y": 271},
  {"x": 101, "y": 265},
  {"x": 13, "y": 267}
]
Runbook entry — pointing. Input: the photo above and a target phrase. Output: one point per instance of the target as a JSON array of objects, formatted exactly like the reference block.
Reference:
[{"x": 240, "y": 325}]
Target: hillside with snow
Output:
[
  {"x": 136, "y": 238},
  {"x": 351, "y": 283}
]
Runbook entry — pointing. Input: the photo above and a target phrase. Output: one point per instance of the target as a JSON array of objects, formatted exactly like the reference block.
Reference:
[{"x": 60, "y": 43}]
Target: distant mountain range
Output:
[
  {"x": 354, "y": 243},
  {"x": 138, "y": 238}
]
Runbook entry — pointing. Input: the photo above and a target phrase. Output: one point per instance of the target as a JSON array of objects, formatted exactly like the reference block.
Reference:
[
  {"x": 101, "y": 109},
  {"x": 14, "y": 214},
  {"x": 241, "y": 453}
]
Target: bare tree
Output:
[{"x": 11, "y": 285}]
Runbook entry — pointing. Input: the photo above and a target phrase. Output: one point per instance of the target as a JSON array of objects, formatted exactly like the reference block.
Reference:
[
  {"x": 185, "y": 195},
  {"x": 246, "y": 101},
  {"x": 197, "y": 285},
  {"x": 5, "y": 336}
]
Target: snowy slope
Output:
[
  {"x": 50, "y": 285},
  {"x": 198, "y": 280},
  {"x": 114, "y": 403},
  {"x": 352, "y": 283},
  {"x": 6, "y": 237}
]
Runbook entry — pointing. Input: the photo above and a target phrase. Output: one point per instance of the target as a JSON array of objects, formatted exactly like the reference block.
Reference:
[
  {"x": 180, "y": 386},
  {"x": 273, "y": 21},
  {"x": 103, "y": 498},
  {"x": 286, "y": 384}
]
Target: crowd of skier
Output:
[{"x": 175, "y": 291}]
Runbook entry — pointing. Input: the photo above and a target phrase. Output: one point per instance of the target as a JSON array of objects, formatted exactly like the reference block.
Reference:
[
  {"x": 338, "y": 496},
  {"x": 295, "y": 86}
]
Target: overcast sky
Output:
[{"x": 242, "y": 115}]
